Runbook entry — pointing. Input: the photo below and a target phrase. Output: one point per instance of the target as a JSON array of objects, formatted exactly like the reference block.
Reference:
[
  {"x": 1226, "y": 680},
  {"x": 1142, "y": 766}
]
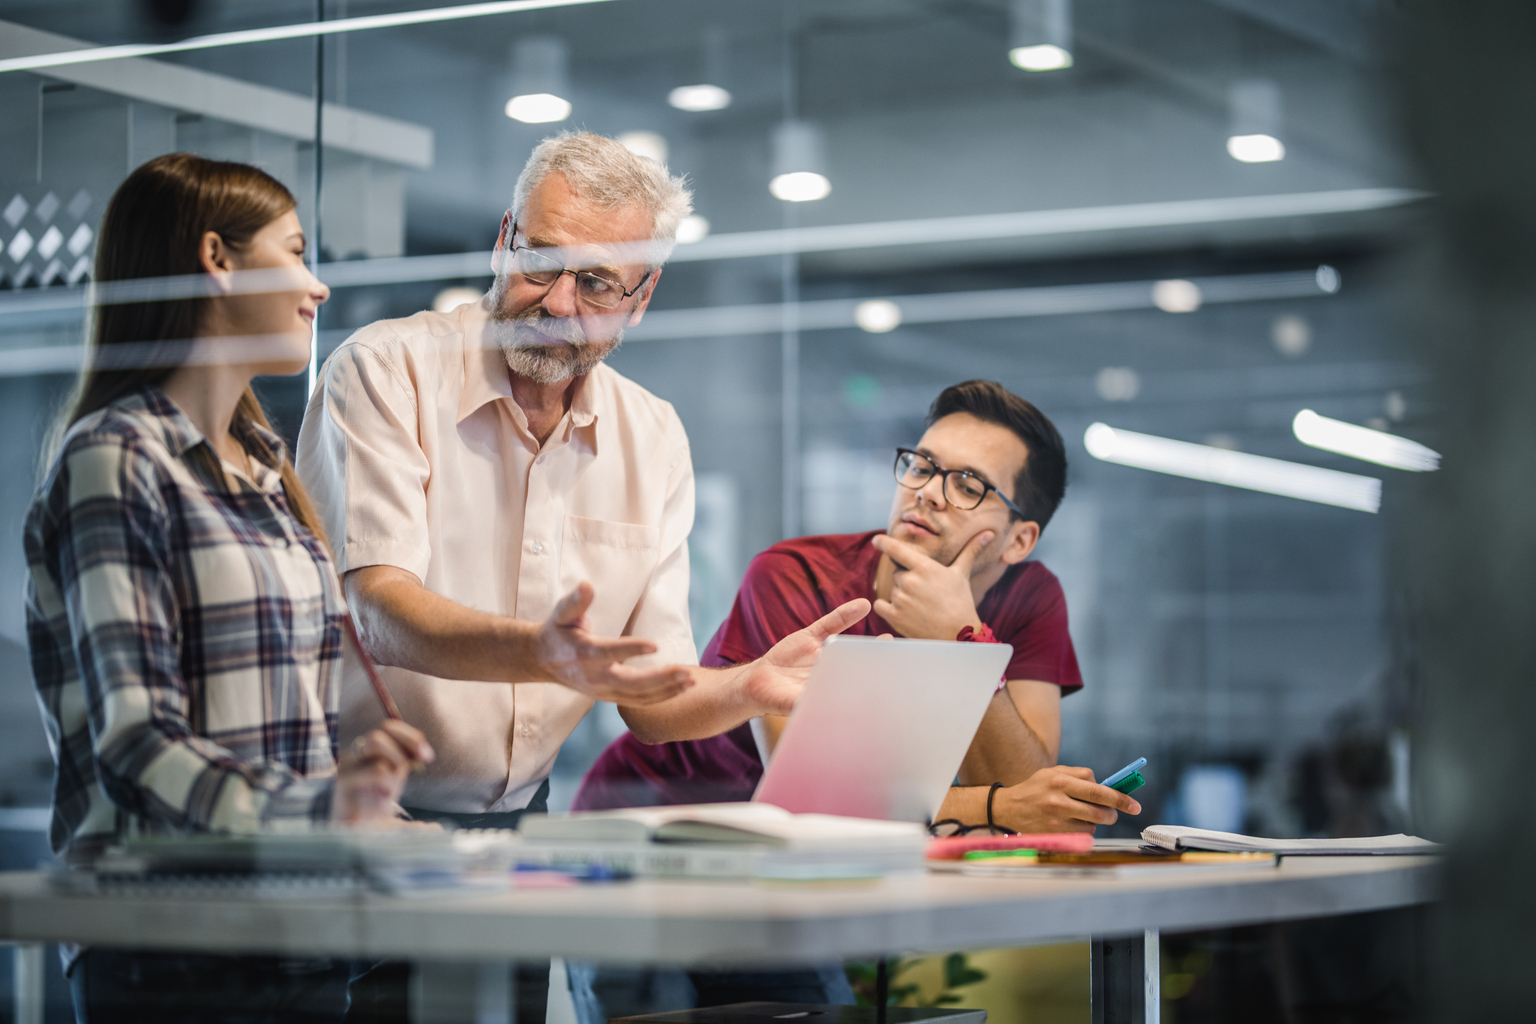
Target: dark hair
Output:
[
  {"x": 1043, "y": 480},
  {"x": 153, "y": 228}
]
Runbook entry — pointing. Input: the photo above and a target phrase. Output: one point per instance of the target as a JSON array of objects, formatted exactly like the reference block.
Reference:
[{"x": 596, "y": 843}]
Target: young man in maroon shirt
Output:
[{"x": 973, "y": 496}]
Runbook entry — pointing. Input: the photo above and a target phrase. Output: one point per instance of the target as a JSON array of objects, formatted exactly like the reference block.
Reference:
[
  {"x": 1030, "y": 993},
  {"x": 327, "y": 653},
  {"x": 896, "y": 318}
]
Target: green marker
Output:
[
  {"x": 1129, "y": 778},
  {"x": 994, "y": 854}
]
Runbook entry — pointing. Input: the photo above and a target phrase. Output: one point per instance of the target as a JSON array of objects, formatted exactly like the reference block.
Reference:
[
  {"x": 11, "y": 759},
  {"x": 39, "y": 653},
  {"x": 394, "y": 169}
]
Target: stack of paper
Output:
[{"x": 1184, "y": 837}]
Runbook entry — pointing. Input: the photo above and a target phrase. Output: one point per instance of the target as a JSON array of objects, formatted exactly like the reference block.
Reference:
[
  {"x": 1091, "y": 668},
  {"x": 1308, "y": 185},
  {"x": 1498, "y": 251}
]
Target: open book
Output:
[
  {"x": 1184, "y": 837},
  {"x": 742, "y": 823},
  {"x": 737, "y": 840}
]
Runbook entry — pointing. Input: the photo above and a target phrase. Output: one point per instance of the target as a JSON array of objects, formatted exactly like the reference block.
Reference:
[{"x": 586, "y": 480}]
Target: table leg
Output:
[
  {"x": 453, "y": 993},
  {"x": 28, "y": 980},
  {"x": 1127, "y": 981},
  {"x": 882, "y": 989}
]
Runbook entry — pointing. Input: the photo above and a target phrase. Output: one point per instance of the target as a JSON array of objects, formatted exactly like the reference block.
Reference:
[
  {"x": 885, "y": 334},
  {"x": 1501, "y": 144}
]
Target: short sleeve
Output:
[
  {"x": 360, "y": 458},
  {"x": 778, "y": 595},
  {"x": 1028, "y": 609}
]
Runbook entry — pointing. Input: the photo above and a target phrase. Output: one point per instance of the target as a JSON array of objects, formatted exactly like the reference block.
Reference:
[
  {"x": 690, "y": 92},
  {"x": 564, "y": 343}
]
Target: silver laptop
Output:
[{"x": 882, "y": 727}]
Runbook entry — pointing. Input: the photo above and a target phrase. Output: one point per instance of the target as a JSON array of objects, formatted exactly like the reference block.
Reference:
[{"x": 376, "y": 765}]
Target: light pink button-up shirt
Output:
[{"x": 416, "y": 456}]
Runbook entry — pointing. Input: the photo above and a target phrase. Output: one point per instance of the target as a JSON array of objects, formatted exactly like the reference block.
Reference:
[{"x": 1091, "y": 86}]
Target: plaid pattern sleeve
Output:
[{"x": 185, "y": 635}]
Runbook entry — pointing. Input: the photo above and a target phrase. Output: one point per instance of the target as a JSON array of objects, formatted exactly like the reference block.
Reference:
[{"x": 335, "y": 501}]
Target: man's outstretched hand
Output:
[
  {"x": 570, "y": 655},
  {"x": 930, "y": 600},
  {"x": 774, "y": 681}
]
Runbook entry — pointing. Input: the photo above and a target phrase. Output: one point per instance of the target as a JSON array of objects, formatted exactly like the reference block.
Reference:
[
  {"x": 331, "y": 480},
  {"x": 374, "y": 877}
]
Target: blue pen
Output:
[{"x": 1127, "y": 778}]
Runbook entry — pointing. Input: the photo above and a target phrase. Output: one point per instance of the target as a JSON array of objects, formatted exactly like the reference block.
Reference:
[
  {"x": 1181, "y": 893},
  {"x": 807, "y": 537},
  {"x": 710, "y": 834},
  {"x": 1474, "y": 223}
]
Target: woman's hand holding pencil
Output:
[{"x": 371, "y": 772}]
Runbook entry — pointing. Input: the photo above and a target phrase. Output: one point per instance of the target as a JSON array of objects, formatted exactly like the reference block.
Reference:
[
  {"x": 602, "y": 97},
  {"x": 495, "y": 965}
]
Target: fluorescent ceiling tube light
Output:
[
  {"x": 299, "y": 31},
  {"x": 1364, "y": 443},
  {"x": 1234, "y": 469},
  {"x": 698, "y": 98}
]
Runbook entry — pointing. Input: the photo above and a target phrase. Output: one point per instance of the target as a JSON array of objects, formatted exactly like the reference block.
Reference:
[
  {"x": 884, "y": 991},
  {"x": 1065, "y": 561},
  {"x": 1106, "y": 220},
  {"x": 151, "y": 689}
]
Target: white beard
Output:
[{"x": 522, "y": 338}]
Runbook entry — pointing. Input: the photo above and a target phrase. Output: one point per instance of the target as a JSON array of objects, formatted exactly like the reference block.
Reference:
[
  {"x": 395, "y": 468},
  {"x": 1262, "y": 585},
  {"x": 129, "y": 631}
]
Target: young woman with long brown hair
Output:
[{"x": 184, "y": 617}]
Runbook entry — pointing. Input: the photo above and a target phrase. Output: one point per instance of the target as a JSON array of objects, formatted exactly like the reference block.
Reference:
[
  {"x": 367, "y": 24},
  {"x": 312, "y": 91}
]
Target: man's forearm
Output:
[
  {"x": 717, "y": 703},
  {"x": 965, "y": 804},
  {"x": 1005, "y": 748},
  {"x": 407, "y": 626}
]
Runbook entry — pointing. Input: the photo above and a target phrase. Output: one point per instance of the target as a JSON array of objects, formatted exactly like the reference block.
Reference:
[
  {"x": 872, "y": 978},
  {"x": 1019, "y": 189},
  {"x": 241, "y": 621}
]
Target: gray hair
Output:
[{"x": 600, "y": 170}]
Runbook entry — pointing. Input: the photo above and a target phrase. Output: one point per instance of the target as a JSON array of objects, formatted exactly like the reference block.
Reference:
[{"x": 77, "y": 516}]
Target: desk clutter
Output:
[
  {"x": 722, "y": 841},
  {"x": 301, "y": 863},
  {"x": 739, "y": 841}
]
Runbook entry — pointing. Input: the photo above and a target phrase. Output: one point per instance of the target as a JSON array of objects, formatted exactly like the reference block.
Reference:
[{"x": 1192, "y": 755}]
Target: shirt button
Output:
[
  {"x": 538, "y": 548},
  {"x": 539, "y": 460},
  {"x": 526, "y": 731}
]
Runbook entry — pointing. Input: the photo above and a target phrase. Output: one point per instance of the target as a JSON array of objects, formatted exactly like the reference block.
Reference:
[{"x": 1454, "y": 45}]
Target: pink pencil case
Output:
[{"x": 956, "y": 847}]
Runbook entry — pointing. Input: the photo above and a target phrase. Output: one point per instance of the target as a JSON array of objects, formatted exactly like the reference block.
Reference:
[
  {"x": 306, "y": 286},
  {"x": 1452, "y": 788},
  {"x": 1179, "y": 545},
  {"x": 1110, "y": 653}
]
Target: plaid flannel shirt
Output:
[{"x": 185, "y": 634}]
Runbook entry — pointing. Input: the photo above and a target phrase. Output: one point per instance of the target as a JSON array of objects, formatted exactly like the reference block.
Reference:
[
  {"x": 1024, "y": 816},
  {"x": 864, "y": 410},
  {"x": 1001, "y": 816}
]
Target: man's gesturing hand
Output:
[
  {"x": 774, "y": 681},
  {"x": 570, "y": 655},
  {"x": 1060, "y": 799},
  {"x": 930, "y": 600}
]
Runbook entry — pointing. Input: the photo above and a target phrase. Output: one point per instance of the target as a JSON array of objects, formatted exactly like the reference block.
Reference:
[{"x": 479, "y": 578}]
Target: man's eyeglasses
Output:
[
  {"x": 945, "y": 828},
  {"x": 592, "y": 288},
  {"x": 962, "y": 488}
]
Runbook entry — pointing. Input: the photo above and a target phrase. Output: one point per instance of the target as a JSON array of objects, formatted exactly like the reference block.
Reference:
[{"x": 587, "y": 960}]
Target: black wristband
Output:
[{"x": 990, "y": 794}]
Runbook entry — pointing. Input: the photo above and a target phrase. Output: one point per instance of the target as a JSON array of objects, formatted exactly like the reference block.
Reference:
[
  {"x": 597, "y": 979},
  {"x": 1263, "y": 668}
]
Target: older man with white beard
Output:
[{"x": 511, "y": 516}]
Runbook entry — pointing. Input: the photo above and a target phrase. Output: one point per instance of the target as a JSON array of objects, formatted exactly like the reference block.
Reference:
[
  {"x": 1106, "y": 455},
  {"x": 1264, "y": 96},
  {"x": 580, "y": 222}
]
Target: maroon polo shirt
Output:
[{"x": 786, "y": 588}]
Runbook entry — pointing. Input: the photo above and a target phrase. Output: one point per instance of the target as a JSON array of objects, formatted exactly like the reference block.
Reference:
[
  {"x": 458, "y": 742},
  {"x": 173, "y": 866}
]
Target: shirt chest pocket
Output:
[{"x": 618, "y": 559}]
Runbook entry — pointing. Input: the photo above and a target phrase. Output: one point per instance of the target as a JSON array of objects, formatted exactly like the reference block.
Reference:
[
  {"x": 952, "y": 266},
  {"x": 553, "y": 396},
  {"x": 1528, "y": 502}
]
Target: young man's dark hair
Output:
[{"x": 1043, "y": 480}]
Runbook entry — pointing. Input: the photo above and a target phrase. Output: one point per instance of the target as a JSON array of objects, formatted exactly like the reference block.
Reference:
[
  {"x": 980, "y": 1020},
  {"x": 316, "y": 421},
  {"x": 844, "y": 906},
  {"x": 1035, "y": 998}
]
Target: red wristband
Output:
[{"x": 977, "y": 636}]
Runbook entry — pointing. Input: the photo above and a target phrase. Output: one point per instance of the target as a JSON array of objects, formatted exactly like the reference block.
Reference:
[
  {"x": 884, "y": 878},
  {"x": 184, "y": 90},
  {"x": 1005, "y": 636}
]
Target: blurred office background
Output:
[{"x": 1177, "y": 218}]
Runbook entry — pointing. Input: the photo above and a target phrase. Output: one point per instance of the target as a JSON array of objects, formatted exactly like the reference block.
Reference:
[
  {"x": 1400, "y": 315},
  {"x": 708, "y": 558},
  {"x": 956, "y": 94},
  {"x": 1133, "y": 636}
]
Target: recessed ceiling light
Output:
[
  {"x": 1176, "y": 296},
  {"x": 699, "y": 97},
  {"x": 538, "y": 108},
  {"x": 1256, "y": 149},
  {"x": 692, "y": 228},
  {"x": 800, "y": 187},
  {"x": 877, "y": 316},
  {"x": 1043, "y": 57}
]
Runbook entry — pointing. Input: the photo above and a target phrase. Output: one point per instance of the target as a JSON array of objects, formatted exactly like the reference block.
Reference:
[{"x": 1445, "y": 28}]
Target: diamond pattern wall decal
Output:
[
  {"x": 50, "y": 242},
  {"x": 15, "y": 210},
  {"x": 20, "y": 246},
  {"x": 80, "y": 239},
  {"x": 79, "y": 205},
  {"x": 46, "y": 208},
  {"x": 79, "y": 270}
]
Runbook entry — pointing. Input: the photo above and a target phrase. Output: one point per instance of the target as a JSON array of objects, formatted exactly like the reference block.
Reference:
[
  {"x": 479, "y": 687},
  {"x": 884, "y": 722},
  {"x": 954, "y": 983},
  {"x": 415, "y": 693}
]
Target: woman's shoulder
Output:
[{"x": 124, "y": 440}]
